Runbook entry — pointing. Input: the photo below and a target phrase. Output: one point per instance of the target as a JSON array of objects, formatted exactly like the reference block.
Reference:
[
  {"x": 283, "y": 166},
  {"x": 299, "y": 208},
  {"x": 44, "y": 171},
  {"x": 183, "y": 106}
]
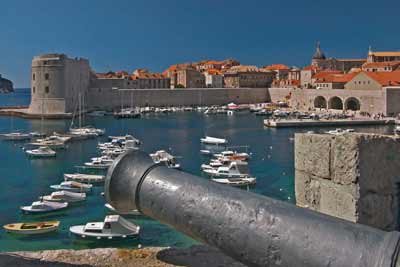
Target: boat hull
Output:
[
  {"x": 79, "y": 231},
  {"x": 32, "y": 228}
]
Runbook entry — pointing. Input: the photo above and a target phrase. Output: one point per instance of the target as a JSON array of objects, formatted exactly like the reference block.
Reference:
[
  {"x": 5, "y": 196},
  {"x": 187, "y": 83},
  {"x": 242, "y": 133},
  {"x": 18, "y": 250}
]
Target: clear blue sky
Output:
[{"x": 129, "y": 34}]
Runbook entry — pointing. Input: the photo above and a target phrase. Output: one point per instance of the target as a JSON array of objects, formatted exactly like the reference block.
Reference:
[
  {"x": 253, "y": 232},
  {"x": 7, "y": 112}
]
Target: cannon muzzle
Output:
[{"x": 251, "y": 228}]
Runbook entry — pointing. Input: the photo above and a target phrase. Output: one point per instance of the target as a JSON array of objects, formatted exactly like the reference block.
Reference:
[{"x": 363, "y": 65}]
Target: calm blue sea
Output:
[{"x": 23, "y": 180}]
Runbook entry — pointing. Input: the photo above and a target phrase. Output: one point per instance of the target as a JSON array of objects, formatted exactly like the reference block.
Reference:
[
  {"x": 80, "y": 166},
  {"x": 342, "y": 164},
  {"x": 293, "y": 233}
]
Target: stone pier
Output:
[{"x": 352, "y": 176}]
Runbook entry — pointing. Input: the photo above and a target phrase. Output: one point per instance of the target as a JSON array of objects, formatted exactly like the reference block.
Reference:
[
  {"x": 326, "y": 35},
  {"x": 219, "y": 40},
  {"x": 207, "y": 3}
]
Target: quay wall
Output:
[
  {"x": 351, "y": 176},
  {"x": 106, "y": 98}
]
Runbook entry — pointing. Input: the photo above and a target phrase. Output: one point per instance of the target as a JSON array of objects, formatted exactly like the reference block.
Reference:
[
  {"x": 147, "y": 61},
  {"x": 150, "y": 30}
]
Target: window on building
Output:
[
  {"x": 33, "y": 89},
  {"x": 46, "y": 76},
  {"x": 46, "y": 89},
  {"x": 33, "y": 76}
]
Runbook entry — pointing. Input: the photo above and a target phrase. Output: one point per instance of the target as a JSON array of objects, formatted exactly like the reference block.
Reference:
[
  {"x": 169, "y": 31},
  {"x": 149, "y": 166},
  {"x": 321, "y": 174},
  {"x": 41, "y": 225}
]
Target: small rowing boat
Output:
[{"x": 32, "y": 228}]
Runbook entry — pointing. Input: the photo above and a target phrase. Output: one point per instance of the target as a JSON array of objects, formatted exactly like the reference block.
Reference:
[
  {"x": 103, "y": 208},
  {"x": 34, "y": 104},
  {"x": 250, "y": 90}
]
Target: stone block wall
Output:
[{"x": 352, "y": 176}]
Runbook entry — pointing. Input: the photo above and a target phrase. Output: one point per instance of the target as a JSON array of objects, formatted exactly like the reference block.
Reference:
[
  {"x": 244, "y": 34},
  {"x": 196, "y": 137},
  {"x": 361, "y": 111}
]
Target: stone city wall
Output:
[
  {"x": 352, "y": 176},
  {"x": 100, "y": 98}
]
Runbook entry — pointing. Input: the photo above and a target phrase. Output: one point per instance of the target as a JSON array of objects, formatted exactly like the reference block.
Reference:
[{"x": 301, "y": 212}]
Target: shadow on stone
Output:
[
  {"x": 18, "y": 261},
  {"x": 197, "y": 256}
]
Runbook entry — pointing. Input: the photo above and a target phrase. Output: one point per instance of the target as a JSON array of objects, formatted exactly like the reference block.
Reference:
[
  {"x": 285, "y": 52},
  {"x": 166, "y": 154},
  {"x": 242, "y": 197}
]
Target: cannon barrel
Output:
[{"x": 251, "y": 228}]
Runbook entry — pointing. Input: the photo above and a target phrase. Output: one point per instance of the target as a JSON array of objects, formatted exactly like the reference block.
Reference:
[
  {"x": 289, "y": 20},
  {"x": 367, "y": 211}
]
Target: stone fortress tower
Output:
[{"x": 57, "y": 83}]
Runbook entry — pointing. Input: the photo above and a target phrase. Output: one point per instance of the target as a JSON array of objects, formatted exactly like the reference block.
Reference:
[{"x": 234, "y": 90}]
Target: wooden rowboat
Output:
[{"x": 32, "y": 228}]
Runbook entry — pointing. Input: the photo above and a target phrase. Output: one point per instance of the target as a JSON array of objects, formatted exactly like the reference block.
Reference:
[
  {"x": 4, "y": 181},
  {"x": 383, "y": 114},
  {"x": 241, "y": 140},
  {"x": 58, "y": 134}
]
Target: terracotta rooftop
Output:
[
  {"x": 315, "y": 68},
  {"x": 386, "y": 78},
  {"x": 323, "y": 74},
  {"x": 385, "y": 54},
  {"x": 277, "y": 67},
  {"x": 213, "y": 72},
  {"x": 380, "y": 64},
  {"x": 337, "y": 78}
]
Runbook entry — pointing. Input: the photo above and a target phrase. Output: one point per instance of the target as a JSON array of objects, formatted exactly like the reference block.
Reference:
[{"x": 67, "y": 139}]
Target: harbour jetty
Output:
[{"x": 326, "y": 123}]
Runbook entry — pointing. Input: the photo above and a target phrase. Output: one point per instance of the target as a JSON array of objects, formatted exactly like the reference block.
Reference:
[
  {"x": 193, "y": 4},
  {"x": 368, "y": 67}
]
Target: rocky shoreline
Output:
[
  {"x": 196, "y": 256},
  {"x": 6, "y": 86}
]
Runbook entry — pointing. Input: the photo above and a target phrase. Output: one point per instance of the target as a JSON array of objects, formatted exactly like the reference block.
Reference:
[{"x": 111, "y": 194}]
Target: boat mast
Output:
[
  {"x": 42, "y": 119},
  {"x": 80, "y": 110}
]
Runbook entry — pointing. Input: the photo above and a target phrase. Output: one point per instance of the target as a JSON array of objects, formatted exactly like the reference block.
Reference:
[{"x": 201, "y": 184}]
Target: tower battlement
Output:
[{"x": 57, "y": 81}]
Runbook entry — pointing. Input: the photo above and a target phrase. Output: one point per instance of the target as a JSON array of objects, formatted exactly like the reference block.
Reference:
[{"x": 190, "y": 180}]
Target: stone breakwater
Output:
[{"x": 112, "y": 257}]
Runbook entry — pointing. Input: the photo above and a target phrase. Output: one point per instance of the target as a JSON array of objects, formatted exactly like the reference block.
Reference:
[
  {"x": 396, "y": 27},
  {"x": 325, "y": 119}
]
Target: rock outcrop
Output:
[
  {"x": 6, "y": 86},
  {"x": 195, "y": 256}
]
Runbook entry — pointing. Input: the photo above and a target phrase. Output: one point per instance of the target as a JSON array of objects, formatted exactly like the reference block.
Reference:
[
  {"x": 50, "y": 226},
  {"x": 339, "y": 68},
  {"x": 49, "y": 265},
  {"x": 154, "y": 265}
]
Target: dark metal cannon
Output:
[{"x": 253, "y": 229}]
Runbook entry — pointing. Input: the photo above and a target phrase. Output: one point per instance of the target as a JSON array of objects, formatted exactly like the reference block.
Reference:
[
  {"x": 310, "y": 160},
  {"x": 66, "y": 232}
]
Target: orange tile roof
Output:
[
  {"x": 213, "y": 72},
  {"x": 385, "y": 54},
  {"x": 325, "y": 73},
  {"x": 277, "y": 67},
  {"x": 337, "y": 78},
  {"x": 380, "y": 64},
  {"x": 315, "y": 68},
  {"x": 385, "y": 78}
]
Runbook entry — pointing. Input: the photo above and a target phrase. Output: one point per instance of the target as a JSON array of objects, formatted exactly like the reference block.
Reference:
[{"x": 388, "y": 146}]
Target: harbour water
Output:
[{"x": 23, "y": 180}]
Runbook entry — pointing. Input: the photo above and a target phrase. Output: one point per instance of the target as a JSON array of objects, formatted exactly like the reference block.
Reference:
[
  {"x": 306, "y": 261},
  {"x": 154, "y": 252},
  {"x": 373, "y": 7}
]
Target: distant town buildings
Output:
[
  {"x": 139, "y": 79},
  {"x": 382, "y": 56},
  {"x": 248, "y": 77},
  {"x": 214, "y": 78},
  {"x": 345, "y": 65}
]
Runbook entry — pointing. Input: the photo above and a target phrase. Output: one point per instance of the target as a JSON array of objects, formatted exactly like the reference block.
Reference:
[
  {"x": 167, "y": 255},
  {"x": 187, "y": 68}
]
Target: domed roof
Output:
[{"x": 318, "y": 53}]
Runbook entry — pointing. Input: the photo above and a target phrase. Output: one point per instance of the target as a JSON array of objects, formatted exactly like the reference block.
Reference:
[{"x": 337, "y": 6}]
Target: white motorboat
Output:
[
  {"x": 37, "y": 134},
  {"x": 53, "y": 144},
  {"x": 16, "y": 136},
  {"x": 64, "y": 196},
  {"x": 244, "y": 181},
  {"x": 113, "y": 227},
  {"x": 205, "y": 152},
  {"x": 122, "y": 139},
  {"x": 41, "y": 152},
  {"x": 72, "y": 186},
  {"x": 44, "y": 206},
  {"x": 236, "y": 169},
  {"x": 133, "y": 212},
  {"x": 164, "y": 157},
  {"x": 233, "y": 155},
  {"x": 98, "y": 163},
  {"x": 213, "y": 141},
  {"x": 84, "y": 178},
  {"x": 340, "y": 131}
]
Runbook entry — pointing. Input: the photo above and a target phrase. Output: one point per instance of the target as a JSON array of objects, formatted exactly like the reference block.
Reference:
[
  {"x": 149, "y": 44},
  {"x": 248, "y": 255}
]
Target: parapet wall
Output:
[
  {"x": 100, "y": 98},
  {"x": 352, "y": 176}
]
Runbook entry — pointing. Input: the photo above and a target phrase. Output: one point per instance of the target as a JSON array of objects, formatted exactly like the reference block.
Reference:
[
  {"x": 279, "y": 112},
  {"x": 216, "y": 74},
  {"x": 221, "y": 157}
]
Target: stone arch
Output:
[
  {"x": 335, "y": 103},
  {"x": 352, "y": 103},
  {"x": 320, "y": 102}
]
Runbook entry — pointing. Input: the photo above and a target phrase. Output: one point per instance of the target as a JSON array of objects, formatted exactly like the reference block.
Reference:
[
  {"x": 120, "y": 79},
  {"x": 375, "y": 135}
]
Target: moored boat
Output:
[
  {"x": 244, "y": 181},
  {"x": 213, "y": 140},
  {"x": 84, "y": 178},
  {"x": 236, "y": 169},
  {"x": 113, "y": 227},
  {"x": 32, "y": 228},
  {"x": 64, "y": 196},
  {"x": 15, "y": 136},
  {"x": 44, "y": 206},
  {"x": 72, "y": 186},
  {"x": 41, "y": 152}
]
